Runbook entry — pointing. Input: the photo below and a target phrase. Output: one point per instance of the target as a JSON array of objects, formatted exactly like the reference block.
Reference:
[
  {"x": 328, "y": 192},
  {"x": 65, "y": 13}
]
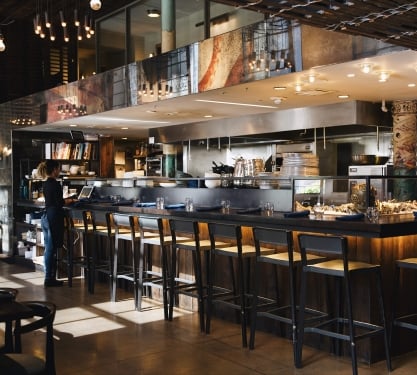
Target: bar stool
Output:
[
  {"x": 153, "y": 235},
  {"x": 237, "y": 296},
  {"x": 96, "y": 227},
  {"x": 74, "y": 229},
  {"x": 409, "y": 320},
  {"x": 141, "y": 232},
  {"x": 275, "y": 247},
  {"x": 186, "y": 238},
  {"x": 124, "y": 227},
  {"x": 342, "y": 269}
]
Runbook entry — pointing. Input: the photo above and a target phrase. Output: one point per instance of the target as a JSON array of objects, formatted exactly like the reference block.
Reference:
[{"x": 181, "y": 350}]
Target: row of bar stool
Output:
[{"x": 271, "y": 246}]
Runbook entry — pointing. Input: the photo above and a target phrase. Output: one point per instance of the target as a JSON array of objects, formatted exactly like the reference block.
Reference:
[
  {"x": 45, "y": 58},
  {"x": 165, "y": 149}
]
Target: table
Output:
[{"x": 11, "y": 311}]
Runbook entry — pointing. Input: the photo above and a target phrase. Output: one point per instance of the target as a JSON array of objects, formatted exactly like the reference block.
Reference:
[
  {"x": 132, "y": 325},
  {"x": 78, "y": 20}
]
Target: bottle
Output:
[{"x": 23, "y": 190}]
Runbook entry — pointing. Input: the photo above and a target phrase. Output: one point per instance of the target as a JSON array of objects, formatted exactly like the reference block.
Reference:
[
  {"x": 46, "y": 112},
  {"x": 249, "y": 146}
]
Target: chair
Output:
[
  {"x": 409, "y": 320},
  {"x": 8, "y": 294},
  {"x": 236, "y": 296},
  {"x": 125, "y": 231},
  {"x": 342, "y": 270},
  {"x": 139, "y": 232},
  {"x": 280, "y": 255},
  {"x": 19, "y": 363},
  {"x": 100, "y": 261},
  {"x": 75, "y": 228},
  {"x": 152, "y": 234},
  {"x": 186, "y": 238}
]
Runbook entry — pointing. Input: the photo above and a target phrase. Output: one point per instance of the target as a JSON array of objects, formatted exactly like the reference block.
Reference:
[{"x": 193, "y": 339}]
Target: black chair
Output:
[
  {"x": 274, "y": 247},
  {"x": 8, "y": 294},
  {"x": 28, "y": 364},
  {"x": 74, "y": 230},
  {"x": 137, "y": 232},
  {"x": 237, "y": 294},
  {"x": 154, "y": 273},
  {"x": 409, "y": 319},
  {"x": 342, "y": 269},
  {"x": 186, "y": 238},
  {"x": 100, "y": 259}
]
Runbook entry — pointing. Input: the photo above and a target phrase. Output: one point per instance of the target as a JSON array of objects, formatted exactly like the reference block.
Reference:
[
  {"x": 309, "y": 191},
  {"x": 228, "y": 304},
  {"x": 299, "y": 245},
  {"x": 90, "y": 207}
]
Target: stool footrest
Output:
[
  {"x": 372, "y": 329},
  {"x": 407, "y": 321}
]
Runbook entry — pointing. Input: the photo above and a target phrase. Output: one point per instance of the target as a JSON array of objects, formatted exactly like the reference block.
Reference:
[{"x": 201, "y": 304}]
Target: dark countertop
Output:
[{"x": 387, "y": 225}]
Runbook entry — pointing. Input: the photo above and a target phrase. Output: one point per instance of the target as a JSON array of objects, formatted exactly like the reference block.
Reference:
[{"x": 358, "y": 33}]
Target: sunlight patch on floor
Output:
[
  {"x": 78, "y": 322},
  {"x": 73, "y": 314},
  {"x": 4, "y": 283},
  {"x": 28, "y": 275},
  {"x": 90, "y": 326}
]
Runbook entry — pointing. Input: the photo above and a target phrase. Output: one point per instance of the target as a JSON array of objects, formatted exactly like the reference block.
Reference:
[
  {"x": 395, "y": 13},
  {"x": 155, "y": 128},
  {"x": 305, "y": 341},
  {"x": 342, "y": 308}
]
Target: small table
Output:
[{"x": 11, "y": 311}]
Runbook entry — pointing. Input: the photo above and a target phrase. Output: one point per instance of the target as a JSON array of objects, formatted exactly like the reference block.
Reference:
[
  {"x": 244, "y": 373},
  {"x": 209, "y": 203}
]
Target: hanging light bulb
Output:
[
  {"x": 66, "y": 37},
  {"x": 2, "y": 45},
  {"x": 61, "y": 16},
  {"x": 95, "y": 4},
  {"x": 76, "y": 19},
  {"x": 47, "y": 23}
]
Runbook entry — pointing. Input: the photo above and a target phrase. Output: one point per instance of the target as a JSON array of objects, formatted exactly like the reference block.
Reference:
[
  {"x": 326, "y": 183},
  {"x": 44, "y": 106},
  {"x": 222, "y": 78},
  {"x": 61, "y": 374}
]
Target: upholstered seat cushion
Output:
[{"x": 21, "y": 364}]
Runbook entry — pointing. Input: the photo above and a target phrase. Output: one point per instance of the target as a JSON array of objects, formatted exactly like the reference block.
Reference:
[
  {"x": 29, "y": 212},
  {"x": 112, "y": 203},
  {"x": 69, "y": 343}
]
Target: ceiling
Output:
[
  {"x": 260, "y": 97},
  {"x": 382, "y": 20}
]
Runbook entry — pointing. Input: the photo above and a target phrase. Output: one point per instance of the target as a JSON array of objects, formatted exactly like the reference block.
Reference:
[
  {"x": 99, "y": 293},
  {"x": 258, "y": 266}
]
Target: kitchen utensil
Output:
[
  {"x": 74, "y": 169},
  {"x": 361, "y": 159}
]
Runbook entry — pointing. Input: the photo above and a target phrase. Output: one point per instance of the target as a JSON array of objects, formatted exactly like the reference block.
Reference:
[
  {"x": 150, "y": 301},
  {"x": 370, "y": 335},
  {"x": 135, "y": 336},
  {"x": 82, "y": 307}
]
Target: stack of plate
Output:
[{"x": 299, "y": 164}]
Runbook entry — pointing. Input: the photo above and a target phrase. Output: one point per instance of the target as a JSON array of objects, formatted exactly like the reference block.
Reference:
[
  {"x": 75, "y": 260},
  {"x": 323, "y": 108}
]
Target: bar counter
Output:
[{"x": 391, "y": 237}]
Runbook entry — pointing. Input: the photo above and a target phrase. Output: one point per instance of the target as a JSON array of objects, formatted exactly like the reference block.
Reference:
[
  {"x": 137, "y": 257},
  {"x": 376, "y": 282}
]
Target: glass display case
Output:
[{"x": 352, "y": 194}]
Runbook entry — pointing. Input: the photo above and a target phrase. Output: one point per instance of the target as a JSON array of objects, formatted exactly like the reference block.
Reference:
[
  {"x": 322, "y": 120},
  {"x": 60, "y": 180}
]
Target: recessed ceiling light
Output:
[
  {"x": 124, "y": 138},
  {"x": 350, "y": 75},
  {"x": 343, "y": 96},
  {"x": 124, "y": 128},
  {"x": 280, "y": 88},
  {"x": 411, "y": 85},
  {"x": 154, "y": 13},
  {"x": 73, "y": 125},
  {"x": 208, "y": 116},
  {"x": 366, "y": 67}
]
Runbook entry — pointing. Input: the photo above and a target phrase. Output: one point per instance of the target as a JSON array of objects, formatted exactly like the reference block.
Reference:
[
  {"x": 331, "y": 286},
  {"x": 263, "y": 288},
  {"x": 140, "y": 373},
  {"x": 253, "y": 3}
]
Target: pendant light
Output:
[
  {"x": 2, "y": 45},
  {"x": 95, "y": 4}
]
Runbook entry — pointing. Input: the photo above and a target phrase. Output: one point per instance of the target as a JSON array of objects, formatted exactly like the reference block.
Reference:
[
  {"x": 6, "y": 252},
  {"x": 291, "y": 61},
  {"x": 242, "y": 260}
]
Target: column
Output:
[
  {"x": 404, "y": 148},
  {"x": 168, "y": 25}
]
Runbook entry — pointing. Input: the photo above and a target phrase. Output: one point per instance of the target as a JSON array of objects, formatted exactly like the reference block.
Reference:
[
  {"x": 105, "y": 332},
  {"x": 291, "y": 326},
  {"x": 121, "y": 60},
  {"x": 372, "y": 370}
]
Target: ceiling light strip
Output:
[{"x": 233, "y": 103}]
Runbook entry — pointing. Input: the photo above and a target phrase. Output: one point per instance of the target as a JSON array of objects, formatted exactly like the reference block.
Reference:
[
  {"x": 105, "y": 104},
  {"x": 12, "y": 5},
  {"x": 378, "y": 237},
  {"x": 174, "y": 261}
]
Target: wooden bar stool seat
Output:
[
  {"x": 237, "y": 294},
  {"x": 338, "y": 326},
  {"x": 186, "y": 238},
  {"x": 408, "y": 319},
  {"x": 274, "y": 247}
]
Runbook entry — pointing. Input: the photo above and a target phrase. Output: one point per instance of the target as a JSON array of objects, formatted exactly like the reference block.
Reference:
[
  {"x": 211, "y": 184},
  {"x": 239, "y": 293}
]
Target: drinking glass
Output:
[
  {"x": 189, "y": 205},
  {"x": 225, "y": 205},
  {"x": 269, "y": 208},
  {"x": 160, "y": 203}
]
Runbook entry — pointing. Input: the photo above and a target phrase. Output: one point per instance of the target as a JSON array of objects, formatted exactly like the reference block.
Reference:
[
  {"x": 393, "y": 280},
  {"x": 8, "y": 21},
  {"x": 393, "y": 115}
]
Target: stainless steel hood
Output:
[{"x": 292, "y": 125}]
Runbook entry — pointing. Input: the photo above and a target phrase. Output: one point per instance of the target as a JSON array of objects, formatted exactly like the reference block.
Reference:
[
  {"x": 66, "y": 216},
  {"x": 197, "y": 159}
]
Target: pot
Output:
[
  {"x": 364, "y": 159},
  {"x": 74, "y": 169}
]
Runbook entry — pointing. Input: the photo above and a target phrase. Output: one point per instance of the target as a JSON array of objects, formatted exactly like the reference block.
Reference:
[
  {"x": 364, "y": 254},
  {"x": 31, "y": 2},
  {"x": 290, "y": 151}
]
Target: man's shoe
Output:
[{"x": 52, "y": 282}]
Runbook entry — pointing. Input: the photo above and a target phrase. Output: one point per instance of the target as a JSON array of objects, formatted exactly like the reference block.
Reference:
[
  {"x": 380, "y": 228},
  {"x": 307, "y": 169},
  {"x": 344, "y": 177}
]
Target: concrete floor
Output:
[{"x": 94, "y": 336}]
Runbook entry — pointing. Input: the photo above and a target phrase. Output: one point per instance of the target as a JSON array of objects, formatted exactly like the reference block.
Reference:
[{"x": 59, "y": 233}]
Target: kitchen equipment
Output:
[
  {"x": 369, "y": 159},
  {"x": 74, "y": 169},
  {"x": 381, "y": 188},
  {"x": 212, "y": 183}
]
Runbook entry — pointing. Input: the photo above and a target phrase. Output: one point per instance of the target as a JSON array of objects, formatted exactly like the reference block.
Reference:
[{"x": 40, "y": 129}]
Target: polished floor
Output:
[{"x": 94, "y": 336}]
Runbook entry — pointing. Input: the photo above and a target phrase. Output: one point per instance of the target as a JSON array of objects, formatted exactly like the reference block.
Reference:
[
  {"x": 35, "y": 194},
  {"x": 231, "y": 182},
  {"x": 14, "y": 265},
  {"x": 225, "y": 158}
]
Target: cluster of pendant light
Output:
[
  {"x": 42, "y": 22},
  {"x": 72, "y": 110}
]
